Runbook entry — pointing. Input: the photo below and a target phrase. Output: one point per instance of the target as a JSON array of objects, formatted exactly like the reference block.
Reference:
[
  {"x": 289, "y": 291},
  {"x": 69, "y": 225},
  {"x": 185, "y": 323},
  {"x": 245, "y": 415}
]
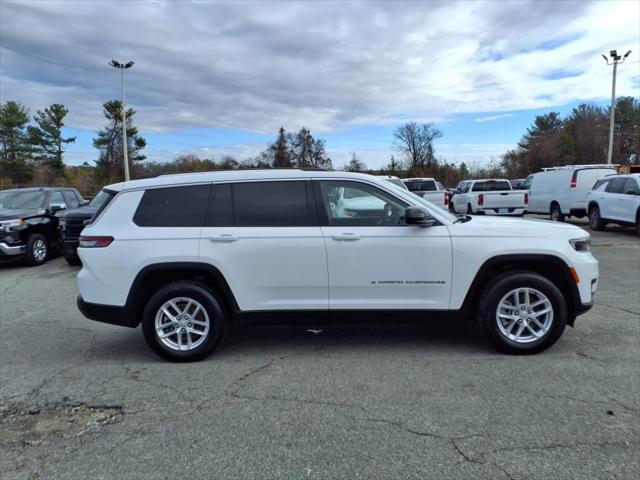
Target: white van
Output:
[{"x": 561, "y": 191}]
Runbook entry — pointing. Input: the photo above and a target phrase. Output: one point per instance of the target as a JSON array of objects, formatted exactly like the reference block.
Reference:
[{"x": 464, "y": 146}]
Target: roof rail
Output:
[{"x": 574, "y": 167}]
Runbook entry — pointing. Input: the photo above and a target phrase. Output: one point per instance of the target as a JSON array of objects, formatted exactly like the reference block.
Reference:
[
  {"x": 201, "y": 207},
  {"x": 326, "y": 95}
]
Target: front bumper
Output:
[
  {"x": 111, "y": 314},
  {"x": 10, "y": 250}
]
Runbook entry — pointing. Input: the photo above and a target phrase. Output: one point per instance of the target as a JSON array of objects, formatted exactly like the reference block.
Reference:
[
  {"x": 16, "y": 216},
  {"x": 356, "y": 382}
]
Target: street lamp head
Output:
[
  {"x": 129, "y": 65},
  {"x": 613, "y": 53},
  {"x": 115, "y": 64},
  {"x": 627, "y": 54},
  {"x": 605, "y": 58}
]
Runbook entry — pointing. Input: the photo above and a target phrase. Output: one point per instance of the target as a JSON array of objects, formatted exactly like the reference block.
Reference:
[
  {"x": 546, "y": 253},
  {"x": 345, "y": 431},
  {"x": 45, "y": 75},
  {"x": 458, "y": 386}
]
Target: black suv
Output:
[
  {"x": 29, "y": 221},
  {"x": 73, "y": 221}
]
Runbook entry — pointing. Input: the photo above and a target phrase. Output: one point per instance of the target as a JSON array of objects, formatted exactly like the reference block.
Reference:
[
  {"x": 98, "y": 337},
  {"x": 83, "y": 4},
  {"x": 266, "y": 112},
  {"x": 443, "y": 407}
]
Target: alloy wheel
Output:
[
  {"x": 182, "y": 324},
  {"x": 524, "y": 315}
]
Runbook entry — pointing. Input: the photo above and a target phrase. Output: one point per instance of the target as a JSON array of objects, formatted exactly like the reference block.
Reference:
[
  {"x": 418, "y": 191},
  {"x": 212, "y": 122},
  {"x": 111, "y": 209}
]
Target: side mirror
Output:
[
  {"x": 83, "y": 203},
  {"x": 418, "y": 216},
  {"x": 56, "y": 208}
]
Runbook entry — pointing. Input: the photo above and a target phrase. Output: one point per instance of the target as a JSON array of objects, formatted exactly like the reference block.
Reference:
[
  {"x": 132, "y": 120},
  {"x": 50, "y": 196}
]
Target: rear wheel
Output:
[
  {"x": 523, "y": 313},
  {"x": 469, "y": 210},
  {"x": 37, "y": 249},
  {"x": 595, "y": 221},
  {"x": 555, "y": 213},
  {"x": 184, "y": 321}
]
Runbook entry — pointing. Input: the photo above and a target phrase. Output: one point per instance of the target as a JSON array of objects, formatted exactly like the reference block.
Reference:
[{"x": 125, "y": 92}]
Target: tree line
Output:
[{"x": 33, "y": 149}]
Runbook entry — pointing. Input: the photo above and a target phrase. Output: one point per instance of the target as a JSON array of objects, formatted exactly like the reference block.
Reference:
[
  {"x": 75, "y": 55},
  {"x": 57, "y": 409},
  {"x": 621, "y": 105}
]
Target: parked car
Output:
[
  {"x": 615, "y": 199},
  {"x": 562, "y": 191},
  {"x": 429, "y": 189},
  {"x": 517, "y": 184},
  {"x": 187, "y": 256},
  {"x": 73, "y": 221},
  {"x": 490, "y": 197},
  {"x": 29, "y": 221}
]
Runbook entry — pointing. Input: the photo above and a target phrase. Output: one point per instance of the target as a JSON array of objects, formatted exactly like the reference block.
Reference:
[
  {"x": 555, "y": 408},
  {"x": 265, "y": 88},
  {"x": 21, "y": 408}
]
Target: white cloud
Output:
[
  {"x": 257, "y": 66},
  {"x": 493, "y": 118}
]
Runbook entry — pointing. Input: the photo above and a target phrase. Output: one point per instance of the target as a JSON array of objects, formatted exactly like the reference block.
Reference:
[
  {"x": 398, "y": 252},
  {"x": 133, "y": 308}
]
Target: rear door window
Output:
[
  {"x": 69, "y": 196},
  {"x": 57, "y": 200},
  {"x": 173, "y": 207},
  {"x": 616, "y": 185},
  {"x": 271, "y": 204}
]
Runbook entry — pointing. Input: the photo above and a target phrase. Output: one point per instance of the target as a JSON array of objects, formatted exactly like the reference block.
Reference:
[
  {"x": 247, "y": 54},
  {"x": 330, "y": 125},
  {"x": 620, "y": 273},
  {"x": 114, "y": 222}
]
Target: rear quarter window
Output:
[
  {"x": 173, "y": 207},
  {"x": 271, "y": 204}
]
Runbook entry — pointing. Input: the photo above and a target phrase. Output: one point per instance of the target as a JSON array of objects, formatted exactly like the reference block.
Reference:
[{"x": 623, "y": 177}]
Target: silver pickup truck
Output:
[{"x": 490, "y": 197}]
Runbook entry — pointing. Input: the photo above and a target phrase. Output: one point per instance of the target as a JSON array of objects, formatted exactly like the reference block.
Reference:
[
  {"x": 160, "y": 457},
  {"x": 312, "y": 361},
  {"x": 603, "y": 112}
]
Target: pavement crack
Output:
[{"x": 618, "y": 308}]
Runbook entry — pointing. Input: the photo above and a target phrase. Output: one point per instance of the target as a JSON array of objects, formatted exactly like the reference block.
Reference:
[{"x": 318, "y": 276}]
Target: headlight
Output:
[
  {"x": 581, "y": 244},
  {"x": 11, "y": 223}
]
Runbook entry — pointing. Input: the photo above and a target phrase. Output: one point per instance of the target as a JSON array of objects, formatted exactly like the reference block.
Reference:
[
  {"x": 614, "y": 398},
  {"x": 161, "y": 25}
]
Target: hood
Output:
[
  {"x": 14, "y": 214},
  {"x": 493, "y": 226}
]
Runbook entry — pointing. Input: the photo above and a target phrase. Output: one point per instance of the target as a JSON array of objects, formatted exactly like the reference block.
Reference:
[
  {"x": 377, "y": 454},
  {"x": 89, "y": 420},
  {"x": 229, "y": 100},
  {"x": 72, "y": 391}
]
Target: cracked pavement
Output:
[{"x": 389, "y": 402}]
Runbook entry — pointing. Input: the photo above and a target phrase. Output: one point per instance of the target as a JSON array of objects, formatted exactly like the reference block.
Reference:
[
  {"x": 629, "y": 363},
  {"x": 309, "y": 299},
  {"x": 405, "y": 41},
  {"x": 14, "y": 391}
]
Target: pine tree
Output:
[
  {"x": 47, "y": 138},
  {"x": 110, "y": 165},
  {"x": 16, "y": 161}
]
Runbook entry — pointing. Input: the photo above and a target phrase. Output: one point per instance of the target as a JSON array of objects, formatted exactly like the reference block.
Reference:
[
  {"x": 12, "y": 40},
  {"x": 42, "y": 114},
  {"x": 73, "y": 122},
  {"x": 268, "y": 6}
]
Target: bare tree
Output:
[{"x": 415, "y": 141}]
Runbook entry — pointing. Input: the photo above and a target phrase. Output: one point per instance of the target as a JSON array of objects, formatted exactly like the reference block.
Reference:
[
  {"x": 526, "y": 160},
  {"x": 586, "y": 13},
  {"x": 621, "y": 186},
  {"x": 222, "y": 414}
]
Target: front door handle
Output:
[
  {"x": 347, "y": 237},
  {"x": 224, "y": 238}
]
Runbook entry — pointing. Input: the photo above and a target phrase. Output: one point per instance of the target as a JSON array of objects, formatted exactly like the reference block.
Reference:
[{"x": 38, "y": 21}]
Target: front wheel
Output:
[
  {"x": 184, "y": 321},
  {"x": 37, "y": 249},
  {"x": 595, "y": 220},
  {"x": 523, "y": 313}
]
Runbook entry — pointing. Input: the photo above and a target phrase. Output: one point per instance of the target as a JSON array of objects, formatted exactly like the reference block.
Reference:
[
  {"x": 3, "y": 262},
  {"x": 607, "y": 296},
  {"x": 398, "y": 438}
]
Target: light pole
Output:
[
  {"x": 125, "y": 151},
  {"x": 615, "y": 59}
]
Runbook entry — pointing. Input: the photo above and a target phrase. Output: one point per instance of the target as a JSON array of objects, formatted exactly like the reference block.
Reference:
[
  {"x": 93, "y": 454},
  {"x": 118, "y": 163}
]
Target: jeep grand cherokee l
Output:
[{"x": 189, "y": 255}]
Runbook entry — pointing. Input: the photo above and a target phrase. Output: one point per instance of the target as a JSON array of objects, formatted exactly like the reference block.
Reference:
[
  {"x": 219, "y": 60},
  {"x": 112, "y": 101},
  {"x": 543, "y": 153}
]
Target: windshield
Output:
[
  {"x": 397, "y": 182},
  {"x": 21, "y": 200}
]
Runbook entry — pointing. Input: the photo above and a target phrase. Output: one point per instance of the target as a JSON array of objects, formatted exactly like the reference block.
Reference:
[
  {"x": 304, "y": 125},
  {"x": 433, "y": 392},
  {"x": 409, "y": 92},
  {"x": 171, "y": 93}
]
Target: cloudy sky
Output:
[{"x": 215, "y": 78}]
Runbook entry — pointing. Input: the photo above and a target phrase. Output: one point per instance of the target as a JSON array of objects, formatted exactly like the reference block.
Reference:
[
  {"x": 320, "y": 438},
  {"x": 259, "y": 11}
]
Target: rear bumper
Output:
[
  {"x": 113, "y": 315},
  {"x": 10, "y": 250},
  {"x": 507, "y": 211}
]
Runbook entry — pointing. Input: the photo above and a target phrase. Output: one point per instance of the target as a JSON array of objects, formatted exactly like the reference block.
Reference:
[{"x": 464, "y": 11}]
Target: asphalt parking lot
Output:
[{"x": 79, "y": 399}]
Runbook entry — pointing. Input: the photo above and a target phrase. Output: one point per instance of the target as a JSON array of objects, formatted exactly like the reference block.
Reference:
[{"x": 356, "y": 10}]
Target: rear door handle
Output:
[
  {"x": 347, "y": 237},
  {"x": 224, "y": 238}
]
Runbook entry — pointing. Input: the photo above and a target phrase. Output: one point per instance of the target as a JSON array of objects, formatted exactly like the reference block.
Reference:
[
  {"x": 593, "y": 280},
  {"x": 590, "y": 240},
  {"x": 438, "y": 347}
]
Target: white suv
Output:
[
  {"x": 615, "y": 199},
  {"x": 190, "y": 255}
]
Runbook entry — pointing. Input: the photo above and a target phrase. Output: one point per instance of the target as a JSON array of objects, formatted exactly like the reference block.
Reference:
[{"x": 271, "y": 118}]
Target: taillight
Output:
[
  {"x": 446, "y": 198},
  {"x": 526, "y": 198},
  {"x": 481, "y": 199},
  {"x": 95, "y": 242},
  {"x": 573, "y": 180}
]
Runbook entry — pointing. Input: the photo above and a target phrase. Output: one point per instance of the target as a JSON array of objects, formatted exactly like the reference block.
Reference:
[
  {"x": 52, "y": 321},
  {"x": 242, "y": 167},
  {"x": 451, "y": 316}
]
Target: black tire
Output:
[
  {"x": 469, "y": 210},
  {"x": 502, "y": 286},
  {"x": 35, "y": 255},
  {"x": 555, "y": 214},
  {"x": 74, "y": 261},
  {"x": 638, "y": 223},
  {"x": 210, "y": 303},
  {"x": 595, "y": 220}
]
